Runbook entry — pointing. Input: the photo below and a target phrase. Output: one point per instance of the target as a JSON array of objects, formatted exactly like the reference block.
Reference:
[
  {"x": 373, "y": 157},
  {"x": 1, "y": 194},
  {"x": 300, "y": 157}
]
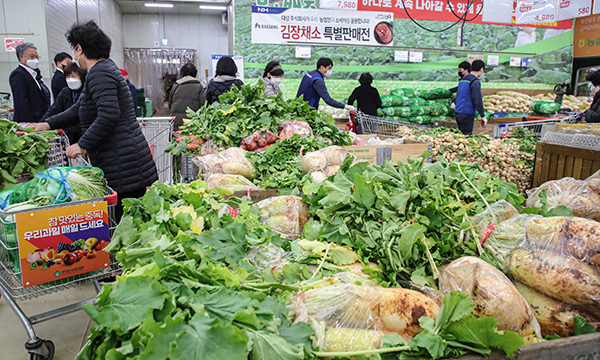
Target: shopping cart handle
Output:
[{"x": 112, "y": 198}]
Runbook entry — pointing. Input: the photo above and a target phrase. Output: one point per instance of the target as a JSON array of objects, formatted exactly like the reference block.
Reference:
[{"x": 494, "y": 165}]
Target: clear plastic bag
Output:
[
  {"x": 323, "y": 163},
  {"x": 268, "y": 257},
  {"x": 231, "y": 182},
  {"x": 347, "y": 316},
  {"x": 231, "y": 161},
  {"x": 284, "y": 214},
  {"x": 287, "y": 129},
  {"x": 492, "y": 293},
  {"x": 582, "y": 197},
  {"x": 492, "y": 215},
  {"x": 559, "y": 258}
]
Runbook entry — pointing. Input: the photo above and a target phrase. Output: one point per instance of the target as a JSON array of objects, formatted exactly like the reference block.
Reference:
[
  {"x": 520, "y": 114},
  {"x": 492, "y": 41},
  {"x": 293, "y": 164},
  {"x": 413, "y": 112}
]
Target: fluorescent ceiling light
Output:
[
  {"x": 158, "y": 5},
  {"x": 213, "y": 7}
]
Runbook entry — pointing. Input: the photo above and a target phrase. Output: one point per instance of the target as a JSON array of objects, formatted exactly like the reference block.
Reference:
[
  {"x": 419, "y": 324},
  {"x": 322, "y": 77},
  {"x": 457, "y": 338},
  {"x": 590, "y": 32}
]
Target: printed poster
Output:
[
  {"x": 58, "y": 243},
  {"x": 274, "y": 25},
  {"x": 10, "y": 44},
  {"x": 535, "y": 11},
  {"x": 571, "y": 9}
]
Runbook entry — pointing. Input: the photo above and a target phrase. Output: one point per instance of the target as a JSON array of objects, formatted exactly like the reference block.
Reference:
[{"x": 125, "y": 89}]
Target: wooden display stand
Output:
[{"x": 554, "y": 162}]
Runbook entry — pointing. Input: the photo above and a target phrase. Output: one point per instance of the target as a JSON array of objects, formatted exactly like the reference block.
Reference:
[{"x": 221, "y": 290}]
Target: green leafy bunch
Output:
[
  {"x": 410, "y": 219},
  {"x": 240, "y": 112},
  {"x": 22, "y": 151}
]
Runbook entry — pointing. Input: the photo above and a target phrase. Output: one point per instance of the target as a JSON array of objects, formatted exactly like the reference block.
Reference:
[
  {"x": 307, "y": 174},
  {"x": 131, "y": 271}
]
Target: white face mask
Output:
[
  {"x": 328, "y": 73},
  {"x": 33, "y": 63},
  {"x": 76, "y": 61},
  {"x": 276, "y": 81},
  {"x": 73, "y": 84}
]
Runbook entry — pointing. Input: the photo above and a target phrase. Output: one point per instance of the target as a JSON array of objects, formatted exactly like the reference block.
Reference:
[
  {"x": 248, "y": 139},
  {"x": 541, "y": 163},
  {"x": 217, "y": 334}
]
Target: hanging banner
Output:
[
  {"x": 449, "y": 11},
  {"x": 571, "y": 9},
  {"x": 535, "y": 11},
  {"x": 586, "y": 37},
  {"x": 273, "y": 25},
  {"x": 58, "y": 243}
]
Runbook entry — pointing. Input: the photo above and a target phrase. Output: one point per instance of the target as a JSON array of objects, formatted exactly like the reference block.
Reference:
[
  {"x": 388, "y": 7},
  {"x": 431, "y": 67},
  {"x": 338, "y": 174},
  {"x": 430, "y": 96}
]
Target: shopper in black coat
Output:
[
  {"x": 225, "y": 77},
  {"x": 67, "y": 97},
  {"x": 592, "y": 115},
  {"x": 368, "y": 99},
  {"x": 61, "y": 60},
  {"x": 111, "y": 136}
]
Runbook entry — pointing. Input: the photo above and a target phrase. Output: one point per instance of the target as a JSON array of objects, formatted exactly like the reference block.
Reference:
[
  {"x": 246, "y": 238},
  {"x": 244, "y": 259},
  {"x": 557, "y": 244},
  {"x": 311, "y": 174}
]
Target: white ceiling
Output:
[{"x": 179, "y": 6}]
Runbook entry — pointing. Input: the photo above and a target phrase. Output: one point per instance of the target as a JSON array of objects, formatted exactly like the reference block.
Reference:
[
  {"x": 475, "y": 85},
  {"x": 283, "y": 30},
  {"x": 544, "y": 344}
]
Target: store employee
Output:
[{"x": 312, "y": 87}]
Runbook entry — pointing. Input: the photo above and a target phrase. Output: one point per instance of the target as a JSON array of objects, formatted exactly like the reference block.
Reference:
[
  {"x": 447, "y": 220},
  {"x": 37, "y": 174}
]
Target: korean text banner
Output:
[
  {"x": 58, "y": 243},
  {"x": 275, "y": 25},
  {"x": 444, "y": 10}
]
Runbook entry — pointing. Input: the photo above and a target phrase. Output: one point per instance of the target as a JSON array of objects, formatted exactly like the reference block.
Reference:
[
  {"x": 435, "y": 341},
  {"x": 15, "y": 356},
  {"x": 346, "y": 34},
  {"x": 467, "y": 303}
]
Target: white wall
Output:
[
  {"x": 203, "y": 32},
  {"x": 22, "y": 19}
]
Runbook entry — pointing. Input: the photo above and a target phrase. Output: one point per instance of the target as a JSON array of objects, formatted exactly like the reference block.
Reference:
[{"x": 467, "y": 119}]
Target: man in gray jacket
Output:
[{"x": 187, "y": 92}]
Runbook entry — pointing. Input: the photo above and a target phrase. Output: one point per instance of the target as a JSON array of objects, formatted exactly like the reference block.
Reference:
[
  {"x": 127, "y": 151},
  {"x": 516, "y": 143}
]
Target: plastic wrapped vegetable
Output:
[
  {"x": 323, "y": 163},
  {"x": 421, "y": 120},
  {"x": 268, "y": 257},
  {"x": 411, "y": 93},
  {"x": 355, "y": 317},
  {"x": 231, "y": 182},
  {"x": 492, "y": 293},
  {"x": 495, "y": 213},
  {"x": 284, "y": 214},
  {"x": 231, "y": 161},
  {"x": 418, "y": 110},
  {"x": 439, "y": 109},
  {"x": 582, "y": 197},
  {"x": 400, "y": 111},
  {"x": 554, "y": 316},
  {"x": 545, "y": 107},
  {"x": 287, "y": 129},
  {"x": 394, "y": 100},
  {"x": 417, "y": 101},
  {"x": 436, "y": 94},
  {"x": 397, "y": 92}
]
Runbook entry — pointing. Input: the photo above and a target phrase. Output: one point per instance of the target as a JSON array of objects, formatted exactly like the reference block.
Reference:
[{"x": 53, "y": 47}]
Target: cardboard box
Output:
[{"x": 377, "y": 154}]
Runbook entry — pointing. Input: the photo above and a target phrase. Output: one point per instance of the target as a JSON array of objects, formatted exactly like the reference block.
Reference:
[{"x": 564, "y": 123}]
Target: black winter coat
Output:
[
  {"x": 216, "y": 88},
  {"x": 368, "y": 99},
  {"x": 64, "y": 100},
  {"x": 110, "y": 131},
  {"x": 30, "y": 101},
  {"x": 592, "y": 115},
  {"x": 58, "y": 83}
]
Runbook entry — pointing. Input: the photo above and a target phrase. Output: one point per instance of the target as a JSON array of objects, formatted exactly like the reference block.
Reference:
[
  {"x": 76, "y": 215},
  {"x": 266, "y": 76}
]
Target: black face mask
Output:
[{"x": 460, "y": 74}]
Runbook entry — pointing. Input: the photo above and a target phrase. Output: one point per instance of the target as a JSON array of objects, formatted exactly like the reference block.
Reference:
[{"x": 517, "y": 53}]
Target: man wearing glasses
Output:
[{"x": 31, "y": 96}]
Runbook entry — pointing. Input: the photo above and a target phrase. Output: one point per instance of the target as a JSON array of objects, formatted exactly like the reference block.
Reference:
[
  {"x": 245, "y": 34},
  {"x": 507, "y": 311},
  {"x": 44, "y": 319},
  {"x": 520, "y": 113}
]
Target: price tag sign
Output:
[
  {"x": 536, "y": 11},
  {"x": 515, "y": 61},
  {"x": 339, "y": 4},
  {"x": 493, "y": 60},
  {"x": 401, "y": 56},
  {"x": 570, "y": 9},
  {"x": 416, "y": 56},
  {"x": 596, "y": 9},
  {"x": 303, "y": 52}
]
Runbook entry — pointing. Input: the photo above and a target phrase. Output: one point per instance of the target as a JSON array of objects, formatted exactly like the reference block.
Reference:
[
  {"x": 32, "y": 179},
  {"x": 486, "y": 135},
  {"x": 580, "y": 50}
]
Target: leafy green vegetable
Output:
[{"x": 582, "y": 327}]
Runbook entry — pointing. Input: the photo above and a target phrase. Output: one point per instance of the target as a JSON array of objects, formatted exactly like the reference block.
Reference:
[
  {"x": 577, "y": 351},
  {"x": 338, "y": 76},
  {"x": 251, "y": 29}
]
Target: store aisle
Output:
[{"x": 67, "y": 332}]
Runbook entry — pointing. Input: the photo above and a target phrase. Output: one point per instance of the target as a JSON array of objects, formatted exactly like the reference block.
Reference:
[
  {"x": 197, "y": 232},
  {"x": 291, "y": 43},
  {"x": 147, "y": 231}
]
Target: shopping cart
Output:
[
  {"x": 158, "y": 133},
  {"x": 369, "y": 124},
  {"x": 12, "y": 286},
  {"x": 533, "y": 128}
]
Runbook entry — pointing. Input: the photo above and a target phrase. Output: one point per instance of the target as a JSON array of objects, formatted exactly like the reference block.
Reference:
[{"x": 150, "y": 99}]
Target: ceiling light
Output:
[
  {"x": 158, "y": 5},
  {"x": 213, "y": 7}
]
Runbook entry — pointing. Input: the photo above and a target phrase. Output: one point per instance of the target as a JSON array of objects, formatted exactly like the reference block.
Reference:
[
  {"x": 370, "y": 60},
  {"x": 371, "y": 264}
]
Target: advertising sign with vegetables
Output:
[
  {"x": 276, "y": 25},
  {"x": 58, "y": 243}
]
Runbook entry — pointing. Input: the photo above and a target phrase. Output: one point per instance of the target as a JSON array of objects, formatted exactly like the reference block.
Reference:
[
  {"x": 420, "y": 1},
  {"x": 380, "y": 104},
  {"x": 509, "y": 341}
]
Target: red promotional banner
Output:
[{"x": 442, "y": 10}]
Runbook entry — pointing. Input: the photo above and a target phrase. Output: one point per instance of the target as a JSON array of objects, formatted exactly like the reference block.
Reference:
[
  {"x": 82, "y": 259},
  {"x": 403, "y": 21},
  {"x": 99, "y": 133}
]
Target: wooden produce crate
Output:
[
  {"x": 583, "y": 347},
  {"x": 554, "y": 162}
]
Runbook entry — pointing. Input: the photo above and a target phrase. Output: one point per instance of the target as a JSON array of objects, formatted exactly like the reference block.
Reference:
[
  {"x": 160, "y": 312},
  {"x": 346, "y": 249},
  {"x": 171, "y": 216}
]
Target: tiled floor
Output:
[{"x": 68, "y": 332}]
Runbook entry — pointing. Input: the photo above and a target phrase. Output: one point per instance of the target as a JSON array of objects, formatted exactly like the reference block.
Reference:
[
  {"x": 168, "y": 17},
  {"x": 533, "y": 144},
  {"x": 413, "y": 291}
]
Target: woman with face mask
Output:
[
  {"x": 592, "y": 115},
  {"x": 272, "y": 78},
  {"x": 75, "y": 77}
]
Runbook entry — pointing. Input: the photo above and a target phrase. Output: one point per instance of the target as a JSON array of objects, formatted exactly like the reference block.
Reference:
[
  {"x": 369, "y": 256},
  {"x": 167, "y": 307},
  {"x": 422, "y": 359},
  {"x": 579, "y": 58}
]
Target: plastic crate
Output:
[{"x": 158, "y": 133}]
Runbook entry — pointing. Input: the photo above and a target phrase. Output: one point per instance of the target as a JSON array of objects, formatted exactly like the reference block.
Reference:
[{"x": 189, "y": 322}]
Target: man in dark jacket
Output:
[
  {"x": 131, "y": 88},
  {"x": 469, "y": 100},
  {"x": 312, "y": 87},
  {"x": 61, "y": 60},
  {"x": 463, "y": 69},
  {"x": 31, "y": 97},
  {"x": 592, "y": 115}
]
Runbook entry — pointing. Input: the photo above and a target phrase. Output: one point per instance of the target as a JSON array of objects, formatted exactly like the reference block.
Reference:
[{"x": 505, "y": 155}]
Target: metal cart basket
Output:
[
  {"x": 369, "y": 124},
  {"x": 535, "y": 127},
  {"x": 12, "y": 288},
  {"x": 158, "y": 133}
]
